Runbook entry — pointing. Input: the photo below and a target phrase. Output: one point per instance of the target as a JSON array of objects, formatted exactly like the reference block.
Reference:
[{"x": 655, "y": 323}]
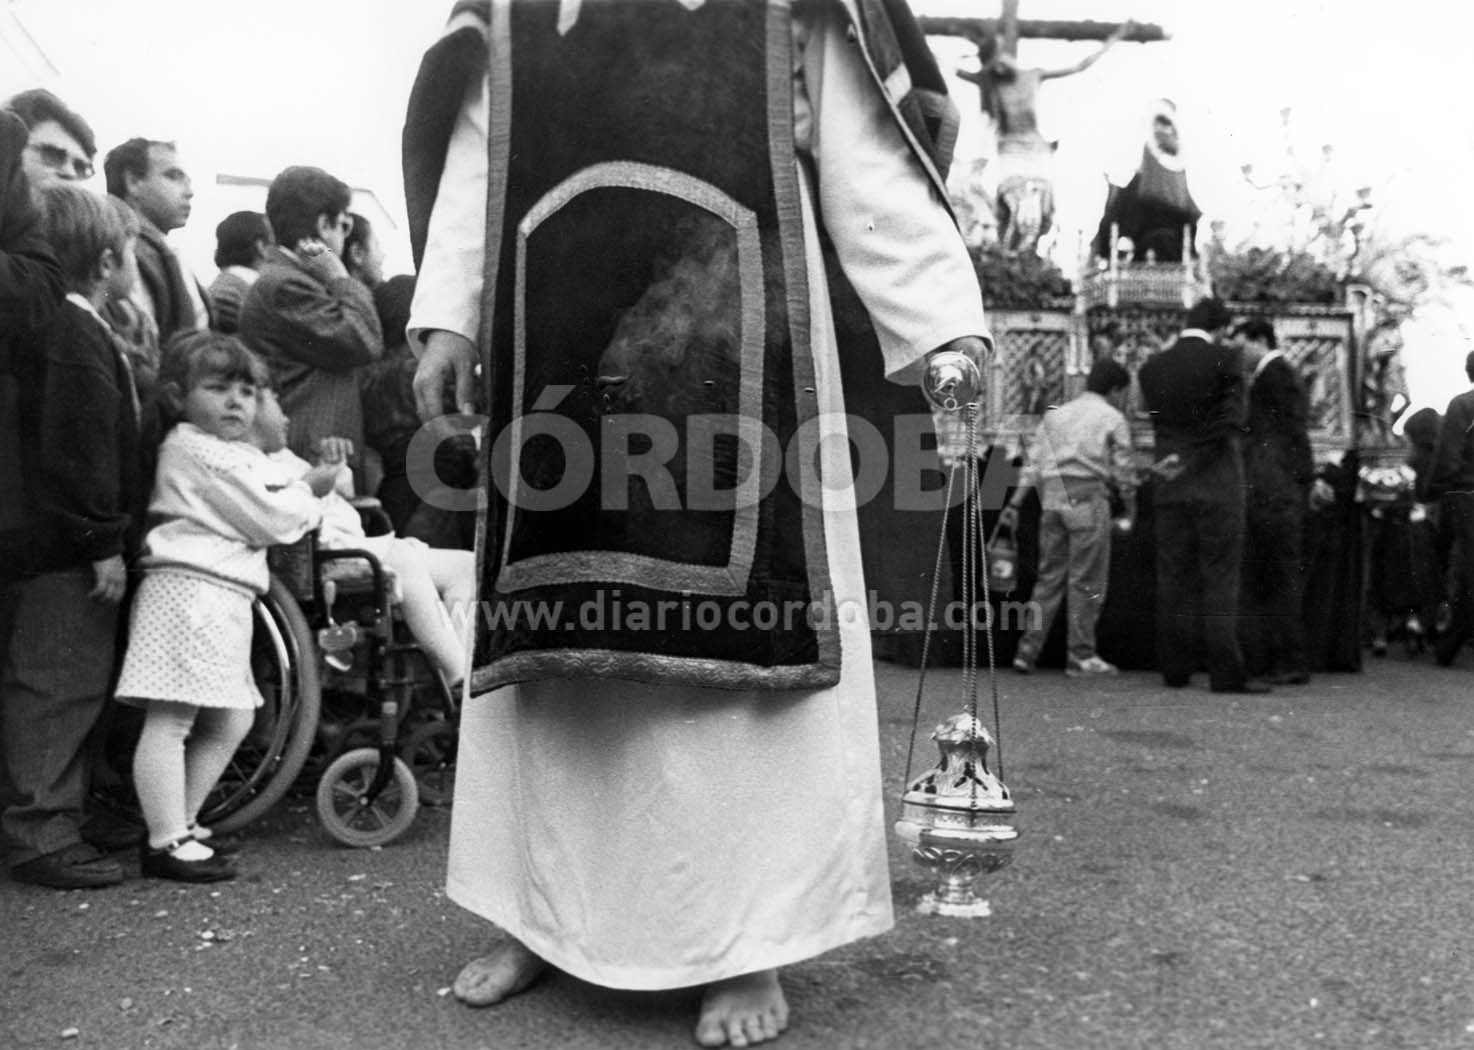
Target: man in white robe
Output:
[{"x": 651, "y": 837}]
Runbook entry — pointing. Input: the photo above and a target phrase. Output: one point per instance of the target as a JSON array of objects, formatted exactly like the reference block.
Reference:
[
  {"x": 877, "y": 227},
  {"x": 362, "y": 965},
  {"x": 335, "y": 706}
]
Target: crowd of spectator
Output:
[{"x": 94, "y": 303}]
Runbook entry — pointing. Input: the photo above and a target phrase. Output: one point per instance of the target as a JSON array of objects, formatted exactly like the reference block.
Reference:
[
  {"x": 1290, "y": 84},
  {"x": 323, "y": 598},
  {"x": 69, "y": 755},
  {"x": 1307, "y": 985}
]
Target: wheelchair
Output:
[{"x": 348, "y": 697}]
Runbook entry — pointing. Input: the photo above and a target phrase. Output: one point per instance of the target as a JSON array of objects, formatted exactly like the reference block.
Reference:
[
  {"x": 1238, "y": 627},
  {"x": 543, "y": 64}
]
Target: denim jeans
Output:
[{"x": 57, "y": 645}]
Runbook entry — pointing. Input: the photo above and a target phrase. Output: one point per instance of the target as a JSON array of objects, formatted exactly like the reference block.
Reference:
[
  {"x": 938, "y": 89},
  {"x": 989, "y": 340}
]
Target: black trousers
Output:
[
  {"x": 1272, "y": 621},
  {"x": 1459, "y": 509},
  {"x": 1200, "y": 545}
]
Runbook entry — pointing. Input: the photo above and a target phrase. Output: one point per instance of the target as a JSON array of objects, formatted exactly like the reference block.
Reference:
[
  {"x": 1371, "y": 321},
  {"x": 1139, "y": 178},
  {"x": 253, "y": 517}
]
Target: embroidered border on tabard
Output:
[
  {"x": 498, "y": 142},
  {"x": 789, "y": 195},
  {"x": 540, "y": 665},
  {"x": 604, "y": 566}
]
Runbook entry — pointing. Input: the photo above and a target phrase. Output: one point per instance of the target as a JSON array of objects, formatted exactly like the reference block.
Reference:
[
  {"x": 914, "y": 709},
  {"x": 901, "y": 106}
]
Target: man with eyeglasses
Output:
[
  {"x": 60, "y": 143},
  {"x": 150, "y": 177}
]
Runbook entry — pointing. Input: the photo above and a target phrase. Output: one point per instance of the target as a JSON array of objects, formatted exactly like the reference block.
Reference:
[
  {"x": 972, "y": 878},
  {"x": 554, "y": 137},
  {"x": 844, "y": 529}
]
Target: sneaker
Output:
[
  {"x": 1091, "y": 667},
  {"x": 1023, "y": 665}
]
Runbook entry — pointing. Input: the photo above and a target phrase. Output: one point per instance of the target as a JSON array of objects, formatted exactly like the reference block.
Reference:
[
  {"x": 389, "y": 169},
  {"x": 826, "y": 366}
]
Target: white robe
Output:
[{"x": 651, "y": 837}]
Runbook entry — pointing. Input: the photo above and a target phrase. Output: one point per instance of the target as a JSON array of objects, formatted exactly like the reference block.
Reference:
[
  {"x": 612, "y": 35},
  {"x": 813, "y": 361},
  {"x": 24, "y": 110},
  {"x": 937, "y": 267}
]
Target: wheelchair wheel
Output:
[
  {"x": 342, "y": 804},
  {"x": 284, "y": 662},
  {"x": 430, "y": 753}
]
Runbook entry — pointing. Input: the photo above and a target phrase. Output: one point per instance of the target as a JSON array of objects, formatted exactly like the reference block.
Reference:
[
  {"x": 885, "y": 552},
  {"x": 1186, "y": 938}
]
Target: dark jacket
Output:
[
  {"x": 30, "y": 281},
  {"x": 31, "y": 291},
  {"x": 1194, "y": 391},
  {"x": 84, "y": 498},
  {"x": 163, "y": 279},
  {"x": 315, "y": 337},
  {"x": 1453, "y": 461},
  {"x": 1278, "y": 462}
]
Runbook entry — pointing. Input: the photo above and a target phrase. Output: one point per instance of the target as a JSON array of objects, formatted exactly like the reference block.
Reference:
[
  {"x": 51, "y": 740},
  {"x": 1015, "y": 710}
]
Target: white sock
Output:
[{"x": 191, "y": 850}]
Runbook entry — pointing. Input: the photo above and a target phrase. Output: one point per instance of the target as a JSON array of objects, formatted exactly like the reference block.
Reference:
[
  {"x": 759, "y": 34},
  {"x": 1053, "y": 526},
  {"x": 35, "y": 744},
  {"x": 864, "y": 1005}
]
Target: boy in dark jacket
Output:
[{"x": 64, "y": 559}]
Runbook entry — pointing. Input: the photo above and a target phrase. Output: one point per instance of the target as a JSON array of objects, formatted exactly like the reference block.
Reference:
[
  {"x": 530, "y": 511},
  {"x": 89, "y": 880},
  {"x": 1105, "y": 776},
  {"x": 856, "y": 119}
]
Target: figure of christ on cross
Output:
[
  {"x": 1009, "y": 96},
  {"x": 1010, "y": 93}
]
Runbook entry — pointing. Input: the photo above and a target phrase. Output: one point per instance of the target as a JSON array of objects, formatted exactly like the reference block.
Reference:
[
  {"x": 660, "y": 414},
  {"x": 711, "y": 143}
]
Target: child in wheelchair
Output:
[{"x": 435, "y": 588}]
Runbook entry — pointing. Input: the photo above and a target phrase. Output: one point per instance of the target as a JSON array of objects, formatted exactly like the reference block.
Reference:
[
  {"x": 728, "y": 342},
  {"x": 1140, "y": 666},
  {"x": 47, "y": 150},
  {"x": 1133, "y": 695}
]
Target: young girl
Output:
[
  {"x": 435, "y": 587},
  {"x": 215, "y": 509}
]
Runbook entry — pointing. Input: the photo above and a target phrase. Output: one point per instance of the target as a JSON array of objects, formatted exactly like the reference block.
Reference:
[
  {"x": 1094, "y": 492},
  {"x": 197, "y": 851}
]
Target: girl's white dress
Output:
[
  {"x": 651, "y": 837},
  {"x": 219, "y": 506}
]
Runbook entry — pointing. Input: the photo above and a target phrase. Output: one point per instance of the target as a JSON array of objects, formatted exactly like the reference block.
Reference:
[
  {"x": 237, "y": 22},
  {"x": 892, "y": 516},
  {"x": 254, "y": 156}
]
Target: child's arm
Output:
[{"x": 238, "y": 487}]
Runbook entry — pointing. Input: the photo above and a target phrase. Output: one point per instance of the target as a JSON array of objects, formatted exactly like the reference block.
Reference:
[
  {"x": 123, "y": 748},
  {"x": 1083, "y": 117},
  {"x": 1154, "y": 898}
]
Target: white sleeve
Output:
[
  {"x": 896, "y": 241},
  {"x": 448, "y": 290},
  {"x": 247, "y": 499}
]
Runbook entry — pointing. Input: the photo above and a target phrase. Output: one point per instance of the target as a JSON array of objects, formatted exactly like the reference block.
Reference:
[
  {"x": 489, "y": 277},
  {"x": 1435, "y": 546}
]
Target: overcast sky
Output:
[{"x": 248, "y": 88}]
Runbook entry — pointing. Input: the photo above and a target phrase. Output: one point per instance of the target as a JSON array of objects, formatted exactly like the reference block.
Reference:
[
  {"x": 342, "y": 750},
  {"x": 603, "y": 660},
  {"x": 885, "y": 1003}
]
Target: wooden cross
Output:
[{"x": 1008, "y": 29}]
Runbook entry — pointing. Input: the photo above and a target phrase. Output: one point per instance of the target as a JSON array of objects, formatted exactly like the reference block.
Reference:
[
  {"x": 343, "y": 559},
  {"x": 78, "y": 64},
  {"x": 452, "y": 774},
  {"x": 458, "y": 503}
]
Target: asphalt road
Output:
[{"x": 1197, "y": 871}]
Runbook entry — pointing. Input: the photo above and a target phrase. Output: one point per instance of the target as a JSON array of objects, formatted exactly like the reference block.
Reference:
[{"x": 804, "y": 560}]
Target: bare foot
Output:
[
  {"x": 742, "y": 1011},
  {"x": 507, "y": 970}
]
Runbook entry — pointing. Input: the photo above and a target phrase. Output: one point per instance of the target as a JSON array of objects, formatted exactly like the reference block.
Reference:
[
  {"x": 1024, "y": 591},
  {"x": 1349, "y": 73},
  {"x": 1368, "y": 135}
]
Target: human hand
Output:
[
  {"x": 112, "y": 580},
  {"x": 321, "y": 478},
  {"x": 445, "y": 353},
  {"x": 334, "y": 450},
  {"x": 1322, "y": 495},
  {"x": 318, "y": 259},
  {"x": 977, "y": 347}
]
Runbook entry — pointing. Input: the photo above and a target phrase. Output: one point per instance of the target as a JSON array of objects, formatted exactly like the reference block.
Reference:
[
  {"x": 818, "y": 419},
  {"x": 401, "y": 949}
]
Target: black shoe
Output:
[
  {"x": 1445, "y": 653},
  {"x": 78, "y": 867},
  {"x": 1290, "y": 678},
  {"x": 163, "y": 864},
  {"x": 1249, "y": 685},
  {"x": 223, "y": 845}
]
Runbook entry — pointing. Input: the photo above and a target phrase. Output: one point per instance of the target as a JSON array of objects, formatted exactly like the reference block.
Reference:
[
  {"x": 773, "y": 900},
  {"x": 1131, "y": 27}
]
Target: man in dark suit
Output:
[
  {"x": 1280, "y": 468},
  {"x": 1194, "y": 391},
  {"x": 1452, "y": 482},
  {"x": 151, "y": 178}
]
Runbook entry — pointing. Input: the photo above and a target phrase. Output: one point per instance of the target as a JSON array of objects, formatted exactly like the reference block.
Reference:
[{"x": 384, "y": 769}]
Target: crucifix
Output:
[{"x": 1009, "y": 96}]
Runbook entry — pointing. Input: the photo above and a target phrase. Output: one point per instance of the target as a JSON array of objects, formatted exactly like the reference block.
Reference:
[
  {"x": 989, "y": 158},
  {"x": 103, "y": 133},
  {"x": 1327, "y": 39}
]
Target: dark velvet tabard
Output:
[{"x": 647, "y": 330}]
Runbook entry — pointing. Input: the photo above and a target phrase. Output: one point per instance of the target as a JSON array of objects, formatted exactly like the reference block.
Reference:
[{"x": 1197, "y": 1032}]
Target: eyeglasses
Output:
[{"x": 63, "y": 163}]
